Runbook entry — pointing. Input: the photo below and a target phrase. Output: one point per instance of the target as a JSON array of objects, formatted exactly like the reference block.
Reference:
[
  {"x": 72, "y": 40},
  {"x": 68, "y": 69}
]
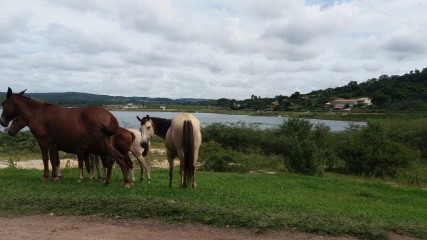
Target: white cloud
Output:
[{"x": 212, "y": 49}]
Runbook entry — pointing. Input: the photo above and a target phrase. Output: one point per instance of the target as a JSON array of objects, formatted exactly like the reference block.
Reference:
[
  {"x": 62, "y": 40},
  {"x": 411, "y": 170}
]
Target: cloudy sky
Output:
[{"x": 206, "y": 49}]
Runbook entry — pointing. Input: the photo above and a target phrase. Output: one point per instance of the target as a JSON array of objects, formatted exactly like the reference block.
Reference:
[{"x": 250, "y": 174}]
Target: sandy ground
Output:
[{"x": 72, "y": 162}]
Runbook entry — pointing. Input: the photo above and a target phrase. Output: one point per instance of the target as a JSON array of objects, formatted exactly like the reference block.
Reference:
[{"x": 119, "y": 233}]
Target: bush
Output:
[
  {"x": 371, "y": 152},
  {"x": 23, "y": 142},
  {"x": 213, "y": 157},
  {"x": 302, "y": 147},
  {"x": 240, "y": 137}
]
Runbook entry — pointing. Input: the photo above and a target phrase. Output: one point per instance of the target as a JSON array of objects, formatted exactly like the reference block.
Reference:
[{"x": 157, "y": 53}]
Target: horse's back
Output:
[
  {"x": 97, "y": 117},
  {"x": 78, "y": 128},
  {"x": 175, "y": 133}
]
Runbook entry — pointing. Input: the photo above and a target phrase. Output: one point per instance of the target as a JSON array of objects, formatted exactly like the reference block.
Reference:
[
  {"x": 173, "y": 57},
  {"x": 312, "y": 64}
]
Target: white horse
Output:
[
  {"x": 139, "y": 152},
  {"x": 182, "y": 138}
]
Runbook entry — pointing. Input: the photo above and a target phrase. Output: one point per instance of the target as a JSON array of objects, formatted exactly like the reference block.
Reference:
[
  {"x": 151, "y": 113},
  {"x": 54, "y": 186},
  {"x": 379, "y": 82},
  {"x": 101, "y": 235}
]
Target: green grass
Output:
[{"x": 333, "y": 204}]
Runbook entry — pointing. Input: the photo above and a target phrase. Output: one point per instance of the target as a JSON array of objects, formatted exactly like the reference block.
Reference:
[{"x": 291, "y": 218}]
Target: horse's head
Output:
[
  {"x": 147, "y": 130},
  {"x": 9, "y": 111},
  {"x": 17, "y": 124}
]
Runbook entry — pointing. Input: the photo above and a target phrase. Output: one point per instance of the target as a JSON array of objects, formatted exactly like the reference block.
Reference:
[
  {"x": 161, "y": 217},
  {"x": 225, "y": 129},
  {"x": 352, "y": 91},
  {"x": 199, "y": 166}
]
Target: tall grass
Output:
[{"x": 330, "y": 205}]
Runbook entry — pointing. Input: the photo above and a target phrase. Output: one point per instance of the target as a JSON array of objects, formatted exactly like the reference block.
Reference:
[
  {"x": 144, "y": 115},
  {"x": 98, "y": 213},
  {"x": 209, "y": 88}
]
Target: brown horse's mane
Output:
[{"x": 26, "y": 98}]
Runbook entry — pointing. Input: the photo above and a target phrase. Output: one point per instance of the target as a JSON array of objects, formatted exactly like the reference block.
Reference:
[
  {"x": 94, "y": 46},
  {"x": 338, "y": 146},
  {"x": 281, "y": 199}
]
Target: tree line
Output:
[{"x": 405, "y": 92}]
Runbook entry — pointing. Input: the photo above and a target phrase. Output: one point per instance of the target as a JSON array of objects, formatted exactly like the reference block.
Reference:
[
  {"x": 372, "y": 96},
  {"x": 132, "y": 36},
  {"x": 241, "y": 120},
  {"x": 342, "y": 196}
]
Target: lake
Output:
[{"x": 128, "y": 119}]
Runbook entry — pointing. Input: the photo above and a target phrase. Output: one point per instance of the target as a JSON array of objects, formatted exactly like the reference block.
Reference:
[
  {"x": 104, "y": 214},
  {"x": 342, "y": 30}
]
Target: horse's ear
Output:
[
  {"x": 9, "y": 92},
  {"x": 139, "y": 119},
  {"x": 22, "y": 93},
  {"x": 148, "y": 118}
]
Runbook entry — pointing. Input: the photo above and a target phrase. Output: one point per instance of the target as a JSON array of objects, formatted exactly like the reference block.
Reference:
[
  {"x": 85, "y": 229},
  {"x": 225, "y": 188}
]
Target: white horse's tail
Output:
[{"x": 188, "y": 142}]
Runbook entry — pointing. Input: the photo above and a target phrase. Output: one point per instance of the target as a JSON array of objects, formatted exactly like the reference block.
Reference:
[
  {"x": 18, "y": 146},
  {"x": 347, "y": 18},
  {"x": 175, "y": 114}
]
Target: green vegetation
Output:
[
  {"x": 330, "y": 205},
  {"x": 406, "y": 93},
  {"x": 382, "y": 149},
  {"x": 398, "y": 93}
]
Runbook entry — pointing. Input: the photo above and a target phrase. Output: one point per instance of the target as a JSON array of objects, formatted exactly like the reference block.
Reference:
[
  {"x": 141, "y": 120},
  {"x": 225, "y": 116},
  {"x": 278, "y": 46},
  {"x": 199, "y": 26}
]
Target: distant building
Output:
[
  {"x": 340, "y": 103},
  {"x": 163, "y": 107},
  {"x": 364, "y": 101}
]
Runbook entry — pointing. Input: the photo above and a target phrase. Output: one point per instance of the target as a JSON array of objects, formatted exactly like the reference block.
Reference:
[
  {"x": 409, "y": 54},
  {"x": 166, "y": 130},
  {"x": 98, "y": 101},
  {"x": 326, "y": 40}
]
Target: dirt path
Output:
[
  {"x": 93, "y": 227},
  {"x": 88, "y": 228}
]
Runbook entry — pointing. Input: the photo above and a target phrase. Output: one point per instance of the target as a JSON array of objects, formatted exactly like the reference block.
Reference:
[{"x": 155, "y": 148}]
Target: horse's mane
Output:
[
  {"x": 162, "y": 125},
  {"x": 26, "y": 98}
]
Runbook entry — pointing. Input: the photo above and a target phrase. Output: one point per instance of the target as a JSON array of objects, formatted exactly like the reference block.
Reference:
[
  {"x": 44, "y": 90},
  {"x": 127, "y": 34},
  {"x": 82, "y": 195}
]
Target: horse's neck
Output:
[
  {"x": 28, "y": 108},
  {"x": 162, "y": 126}
]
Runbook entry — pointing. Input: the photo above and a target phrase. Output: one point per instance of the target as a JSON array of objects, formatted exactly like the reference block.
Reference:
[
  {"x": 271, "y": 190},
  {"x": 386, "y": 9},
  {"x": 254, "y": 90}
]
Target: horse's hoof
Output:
[
  {"x": 105, "y": 183},
  {"x": 43, "y": 179},
  {"x": 79, "y": 181},
  {"x": 149, "y": 181},
  {"x": 126, "y": 185},
  {"x": 55, "y": 179}
]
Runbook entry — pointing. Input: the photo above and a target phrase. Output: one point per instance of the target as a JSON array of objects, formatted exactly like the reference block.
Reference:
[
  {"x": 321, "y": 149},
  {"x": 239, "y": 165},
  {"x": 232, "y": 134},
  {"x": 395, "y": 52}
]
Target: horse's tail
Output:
[{"x": 188, "y": 142}]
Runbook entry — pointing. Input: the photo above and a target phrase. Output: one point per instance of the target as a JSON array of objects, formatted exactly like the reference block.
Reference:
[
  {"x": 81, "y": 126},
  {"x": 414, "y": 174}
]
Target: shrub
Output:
[
  {"x": 241, "y": 137},
  {"x": 371, "y": 152},
  {"x": 213, "y": 157},
  {"x": 300, "y": 150},
  {"x": 23, "y": 142}
]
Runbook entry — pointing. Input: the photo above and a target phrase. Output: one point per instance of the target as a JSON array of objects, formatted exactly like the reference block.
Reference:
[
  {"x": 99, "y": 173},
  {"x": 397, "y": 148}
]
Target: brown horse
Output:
[
  {"x": 83, "y": 130},
  {"x": 182, "y": 138},
  {"x": 123, "y": 142}
]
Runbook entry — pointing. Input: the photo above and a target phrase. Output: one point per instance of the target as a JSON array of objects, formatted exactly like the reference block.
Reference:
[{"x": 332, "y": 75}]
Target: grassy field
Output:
[{"x": 333, "y": 204}]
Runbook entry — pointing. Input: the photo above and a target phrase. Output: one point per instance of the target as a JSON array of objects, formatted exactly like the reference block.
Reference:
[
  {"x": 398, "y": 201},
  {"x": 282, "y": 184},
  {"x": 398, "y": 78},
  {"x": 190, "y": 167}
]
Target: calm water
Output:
[{"x": 128, "y": 119}]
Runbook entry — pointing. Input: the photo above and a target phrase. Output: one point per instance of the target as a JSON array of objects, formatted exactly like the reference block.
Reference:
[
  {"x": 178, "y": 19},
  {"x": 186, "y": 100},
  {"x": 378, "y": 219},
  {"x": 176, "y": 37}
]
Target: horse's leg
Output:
[
  {"x": 170, "y": 157},
  {"x": 124, "y": 168},
  {"x": 108, "y": 162},
  {"x": 107, "y": 145},
  {"x": 96, "y": 163},
  {"x": 119, "y": 159},
  {"x": 88, "y": 164},
  {"x": 196, "y": 157},
  {"x": 54, "y": 160},
  {"x": 143, "y": 165},
  {"x": 182, "y": 170},
  {"x": 80, "y": 159},
  {"x": 182, "y": 174},
  {"x": 45, "y": 157},
  {"x": 58, "y": 168},
  {"x": 104, "y": 161},
  {"x": 129, "y": 165}
]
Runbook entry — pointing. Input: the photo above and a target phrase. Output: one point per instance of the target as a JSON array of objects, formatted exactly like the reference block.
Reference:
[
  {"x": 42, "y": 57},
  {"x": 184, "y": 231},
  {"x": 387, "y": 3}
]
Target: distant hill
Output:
[
  {"x": 406, "y": 92},
  {"x": 83, "y": 99}
]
